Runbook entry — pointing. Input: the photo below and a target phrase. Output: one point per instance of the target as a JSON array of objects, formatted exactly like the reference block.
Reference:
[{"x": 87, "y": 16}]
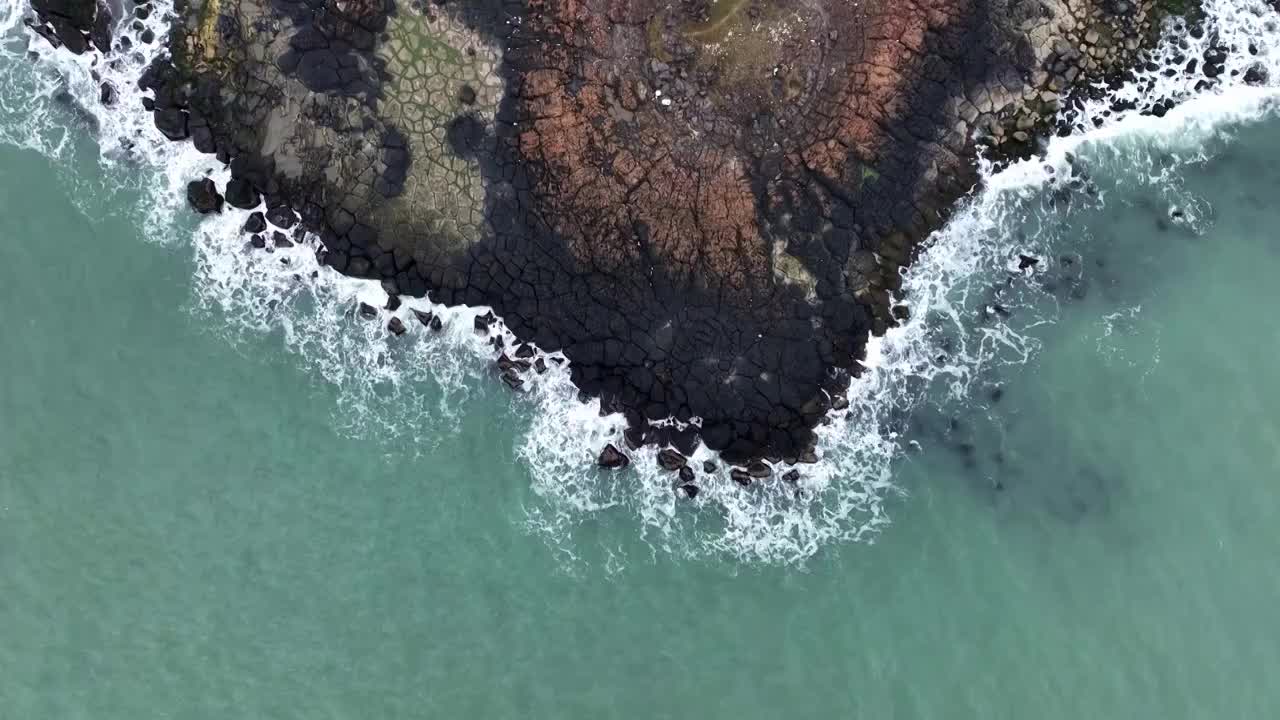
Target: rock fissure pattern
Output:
[{"x": 704, "y": 204}]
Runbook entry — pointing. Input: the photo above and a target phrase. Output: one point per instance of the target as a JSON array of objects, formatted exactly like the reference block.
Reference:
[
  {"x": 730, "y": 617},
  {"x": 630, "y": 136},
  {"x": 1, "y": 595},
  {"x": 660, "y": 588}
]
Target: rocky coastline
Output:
[{"x": 705, "y": 206}]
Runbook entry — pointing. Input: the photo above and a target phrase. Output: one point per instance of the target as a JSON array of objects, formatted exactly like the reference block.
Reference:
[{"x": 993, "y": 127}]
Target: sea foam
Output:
[{"x": 414, "y": 388}]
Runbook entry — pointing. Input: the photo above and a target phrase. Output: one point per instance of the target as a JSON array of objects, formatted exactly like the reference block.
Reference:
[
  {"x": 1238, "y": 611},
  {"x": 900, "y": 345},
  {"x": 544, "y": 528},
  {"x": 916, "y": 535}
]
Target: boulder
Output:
[
  {"x": 255, "y": 224},
  {"x": 611, "y": 457},
  {"x": 282, "y": 217},
  {"x": 203, "y": 196},
  {"x": 396, "y": 326},
  {"x": 671, "y": 460},
  {"x": 240, "y": 193},
  {"x": 172, "y": 123}
]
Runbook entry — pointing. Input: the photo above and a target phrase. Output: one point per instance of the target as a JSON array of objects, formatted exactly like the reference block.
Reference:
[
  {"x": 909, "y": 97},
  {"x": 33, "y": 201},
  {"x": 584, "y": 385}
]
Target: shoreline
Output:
[{"x": 777, "y": 428}]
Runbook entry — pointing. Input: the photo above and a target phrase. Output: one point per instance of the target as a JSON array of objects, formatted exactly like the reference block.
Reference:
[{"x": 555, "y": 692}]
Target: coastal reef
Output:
[{"x": 705, "y": 205}]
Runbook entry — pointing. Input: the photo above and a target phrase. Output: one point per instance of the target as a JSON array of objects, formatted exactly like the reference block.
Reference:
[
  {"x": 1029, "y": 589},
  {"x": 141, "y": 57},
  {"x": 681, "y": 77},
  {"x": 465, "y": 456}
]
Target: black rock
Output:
[
  {"x": 203, "y": 196},
  {"x": 540, "y": 365},
  {"x": 717, "y": 436},
  {"x": 513, "y": 381},
  {"x": 396, "y": 326},
  {"x": 172, "y": 123},
  {"x": 258, "y": 242},
  {"x": 70, "y": 35},
  {"x": 281, "y": 240},
  {"x": 282, "y": 217},
  {"x": 634, "y": 437},
  {"x": 1025, "y": 261},
  {"x": 437, "y": 324},
  {"x": 241, "y": 194},
  {"x": 671, "y": 460},
  {"x": 708, "y": 467},
  {"x": 612, "y": 457},
  {"x": 791, "y": 476},
  {"x": 393, "y": 303},
  {"x": 107, "y": 94},
  {"x": 740, "y": 476},
  {"x": 690, "y": 490},
  {"x": 758, "y": 469},
  {"x": 686, "y": 474},
  {"x": 368, "y": 311},
  {"x": 255, "y": 224},
  {"x": 424, "y": 317}
]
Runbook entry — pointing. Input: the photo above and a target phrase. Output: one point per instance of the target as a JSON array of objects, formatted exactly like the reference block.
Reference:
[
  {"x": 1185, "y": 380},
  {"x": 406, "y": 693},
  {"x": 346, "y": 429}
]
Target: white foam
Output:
[{"x": 414, "y": 387}]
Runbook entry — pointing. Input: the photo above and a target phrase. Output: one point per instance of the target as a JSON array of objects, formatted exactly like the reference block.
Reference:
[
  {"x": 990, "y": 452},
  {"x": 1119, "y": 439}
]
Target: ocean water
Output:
[{"x": 222, "y": 495}]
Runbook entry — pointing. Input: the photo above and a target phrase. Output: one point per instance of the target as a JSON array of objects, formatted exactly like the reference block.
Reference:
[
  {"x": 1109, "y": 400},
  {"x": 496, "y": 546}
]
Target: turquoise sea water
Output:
[{"x": 191, "y": 526}]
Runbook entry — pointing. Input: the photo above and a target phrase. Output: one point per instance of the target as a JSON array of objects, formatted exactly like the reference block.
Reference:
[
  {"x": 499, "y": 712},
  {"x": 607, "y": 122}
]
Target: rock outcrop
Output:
[
  {"x": 77, "y": 25},
  {"x": 704, "y": 205}
]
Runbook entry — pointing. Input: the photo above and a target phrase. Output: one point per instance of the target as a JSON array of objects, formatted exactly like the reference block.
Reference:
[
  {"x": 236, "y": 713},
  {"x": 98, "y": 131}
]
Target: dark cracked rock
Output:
[
  {"x": 705, "y": 207},
  {"x": 611, "y": 457},
  {"x": 203, "y": 196},
  {"x": 77, "y": 25}
]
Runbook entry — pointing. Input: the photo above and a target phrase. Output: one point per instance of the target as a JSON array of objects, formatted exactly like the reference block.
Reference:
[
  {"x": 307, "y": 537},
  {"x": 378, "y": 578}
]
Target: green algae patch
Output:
[{"x": 439, "y": 72}]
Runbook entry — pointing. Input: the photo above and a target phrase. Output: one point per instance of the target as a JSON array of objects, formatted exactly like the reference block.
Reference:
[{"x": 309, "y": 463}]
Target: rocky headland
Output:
[{"x": 706, "y": 205}]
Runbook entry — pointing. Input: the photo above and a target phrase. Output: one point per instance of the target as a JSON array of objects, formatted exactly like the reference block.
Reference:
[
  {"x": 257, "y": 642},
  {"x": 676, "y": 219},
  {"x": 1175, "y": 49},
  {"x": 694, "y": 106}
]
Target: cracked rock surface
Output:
[{"x": 705, "y": 204}]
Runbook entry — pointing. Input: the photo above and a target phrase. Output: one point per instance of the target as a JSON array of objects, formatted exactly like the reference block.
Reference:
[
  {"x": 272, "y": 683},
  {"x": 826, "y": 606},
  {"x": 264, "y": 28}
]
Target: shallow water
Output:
[{"x": 208, "y": 509}]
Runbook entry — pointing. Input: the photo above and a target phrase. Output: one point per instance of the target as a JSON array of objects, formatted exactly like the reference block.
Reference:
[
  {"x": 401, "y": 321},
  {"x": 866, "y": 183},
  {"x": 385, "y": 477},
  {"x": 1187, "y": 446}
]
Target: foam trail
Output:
[{"x": 417, "y": 386}]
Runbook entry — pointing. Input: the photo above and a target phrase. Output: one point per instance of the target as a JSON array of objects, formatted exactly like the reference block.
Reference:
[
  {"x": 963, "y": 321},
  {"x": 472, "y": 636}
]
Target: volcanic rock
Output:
[
  {"x": 611, "y": 457},
  {"x": 203, "y": 196},
  {"x": 707, "y": 218}
]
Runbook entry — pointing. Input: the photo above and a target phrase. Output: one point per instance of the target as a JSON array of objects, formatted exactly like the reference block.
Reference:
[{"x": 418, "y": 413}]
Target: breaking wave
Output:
[{"x": 417, "y": 386}]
